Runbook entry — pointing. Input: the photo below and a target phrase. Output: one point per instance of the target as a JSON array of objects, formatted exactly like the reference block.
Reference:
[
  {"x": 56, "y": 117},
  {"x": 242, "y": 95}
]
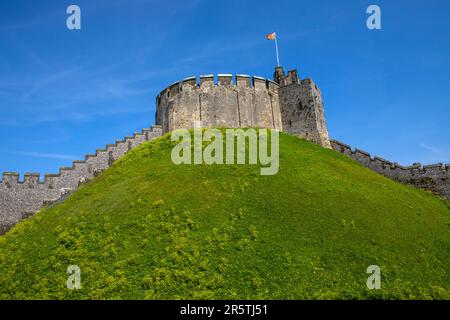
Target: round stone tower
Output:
[
  {"x": 249, "y": 102},
  {"x": 286, "y": 104}
]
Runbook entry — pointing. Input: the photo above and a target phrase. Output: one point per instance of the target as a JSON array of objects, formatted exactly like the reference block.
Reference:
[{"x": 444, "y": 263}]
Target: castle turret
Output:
[
  {"x": 302, "y": 111},
  {"x": 247, "y": 102},
  {"x": 287, "y": 104}
]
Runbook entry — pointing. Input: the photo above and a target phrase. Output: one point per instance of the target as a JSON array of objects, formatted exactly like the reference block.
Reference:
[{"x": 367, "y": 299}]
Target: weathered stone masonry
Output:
[
  {"x": 434, "y": 177},
  {"x": 246, "y": 104},
  {"x": 20, "y": 199},
  {"x": 302, "y": 109},
  {"x": 287, "y": 104}
]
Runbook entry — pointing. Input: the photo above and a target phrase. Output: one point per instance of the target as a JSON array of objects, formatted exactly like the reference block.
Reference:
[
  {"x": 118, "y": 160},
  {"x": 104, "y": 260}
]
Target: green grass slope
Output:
[{"x": 147, "y": 228}]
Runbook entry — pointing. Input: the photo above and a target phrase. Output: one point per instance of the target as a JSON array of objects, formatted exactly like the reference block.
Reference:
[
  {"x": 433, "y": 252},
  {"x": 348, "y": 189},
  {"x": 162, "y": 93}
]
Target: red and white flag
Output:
[{"x": 271, "y": 36}]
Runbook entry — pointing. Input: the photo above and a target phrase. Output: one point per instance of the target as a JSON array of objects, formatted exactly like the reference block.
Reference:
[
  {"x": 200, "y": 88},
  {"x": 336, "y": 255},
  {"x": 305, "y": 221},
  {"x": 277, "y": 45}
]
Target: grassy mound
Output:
[{"x": 147, "y": 228}]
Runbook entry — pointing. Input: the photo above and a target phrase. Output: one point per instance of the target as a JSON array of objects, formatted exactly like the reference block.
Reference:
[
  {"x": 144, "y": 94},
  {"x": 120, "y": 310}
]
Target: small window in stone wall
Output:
[
  {"x": 300, "y": 106},
  {"x": 168, "y": 93},
  {"x": 290, "y": 123}
]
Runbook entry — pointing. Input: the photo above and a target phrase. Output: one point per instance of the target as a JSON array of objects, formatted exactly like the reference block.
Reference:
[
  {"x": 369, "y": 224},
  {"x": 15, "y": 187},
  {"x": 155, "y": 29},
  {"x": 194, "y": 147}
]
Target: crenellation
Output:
[
  {"x": 101, "y": 161},
  {"x": 435, "y": 166},
  {"x": 308, "y": 82},
  {"x": 206, "y": 81},
  {"x": 434, "y": 177},
  {"x": 189, "y": 83},
  {"x": 10, "y": 179},
  {"x": 147, "y": 133},
  {"x": 397, "y": 165},
  {"x": 251, "y": 101},
  {"x": 49, "y": 180},
  {"x": 414, "y": 166},
  {"x": 286, "y": 103},
  {"x": 31, "y": 180},
  {"x": 19, "y": 200},
  {"x": 225, "y": 80},
  {"x": 293, "y": 76},
  {"x": 174, "y": 90},
  {"x": 342, "y": 147},
  {"x": 415, "y": 172},
  {"x": 163, "y": 93},
  {"x": 259, "y": 83},
  {"x": 382, "y": 161},
  {"x": 100, "y": 150},
  {"x": 272, "y": 86},
  {"x": 302, "y": 108},
  {"x": 435, "y": 171},
  {"x": 137, "y": 140},
  {"x": 362, "y": 157},
  {"x": 120, "y": 149},
  {"x": 69, "y": 178},
  {"x": 362, "y": 152},
  {"x": 242, "y": 81}
]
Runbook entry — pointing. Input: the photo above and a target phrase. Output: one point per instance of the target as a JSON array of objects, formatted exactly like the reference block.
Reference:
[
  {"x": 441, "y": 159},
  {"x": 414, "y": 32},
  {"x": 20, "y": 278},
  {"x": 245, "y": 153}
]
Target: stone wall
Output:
[
  {"x": 245, "y": 102},
  {"x": 287, "y": 104},
  {"x": 20, "y": 199},
  {"x": 302, "y": 110},
  {"x": 435, "y": 177}
]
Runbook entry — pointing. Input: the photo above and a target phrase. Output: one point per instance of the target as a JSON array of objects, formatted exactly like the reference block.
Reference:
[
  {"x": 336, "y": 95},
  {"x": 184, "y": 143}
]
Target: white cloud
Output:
[{"x": 430, "y": 148}]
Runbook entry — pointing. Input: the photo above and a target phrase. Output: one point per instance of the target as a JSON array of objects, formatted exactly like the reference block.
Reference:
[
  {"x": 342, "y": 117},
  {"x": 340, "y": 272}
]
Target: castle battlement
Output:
[
  {"x": 241, "y": 101},
  {"x": 286, "y": 103},
  {"x": 225, "y": 100},
  {"x": 435, "y": 177},
  {"x": 21, "y": 198},
  {"x": 221, "y": 80}
]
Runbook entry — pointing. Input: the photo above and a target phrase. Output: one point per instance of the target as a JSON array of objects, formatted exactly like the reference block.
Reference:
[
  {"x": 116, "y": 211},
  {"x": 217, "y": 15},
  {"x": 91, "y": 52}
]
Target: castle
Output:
[{"x": 286, "y": 103}]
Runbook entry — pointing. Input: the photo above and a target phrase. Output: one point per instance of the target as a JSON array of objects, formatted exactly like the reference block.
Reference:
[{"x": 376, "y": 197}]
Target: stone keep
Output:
[{"x": 285, "y": 103}]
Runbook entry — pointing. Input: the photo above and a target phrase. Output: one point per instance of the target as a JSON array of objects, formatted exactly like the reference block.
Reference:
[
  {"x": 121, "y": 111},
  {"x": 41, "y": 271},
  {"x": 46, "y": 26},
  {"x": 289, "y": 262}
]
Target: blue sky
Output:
[{"x": 65, "y": 93}]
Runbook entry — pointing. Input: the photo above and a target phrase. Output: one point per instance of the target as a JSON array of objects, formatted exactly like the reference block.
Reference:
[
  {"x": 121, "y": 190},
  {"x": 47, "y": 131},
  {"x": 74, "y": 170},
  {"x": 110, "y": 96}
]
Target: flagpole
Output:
[{"x": 276, "y": 49}]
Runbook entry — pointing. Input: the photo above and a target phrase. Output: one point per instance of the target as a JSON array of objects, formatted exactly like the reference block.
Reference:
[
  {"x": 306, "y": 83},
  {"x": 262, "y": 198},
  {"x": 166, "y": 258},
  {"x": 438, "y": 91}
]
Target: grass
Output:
[{"x": 149, "y": 229}]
